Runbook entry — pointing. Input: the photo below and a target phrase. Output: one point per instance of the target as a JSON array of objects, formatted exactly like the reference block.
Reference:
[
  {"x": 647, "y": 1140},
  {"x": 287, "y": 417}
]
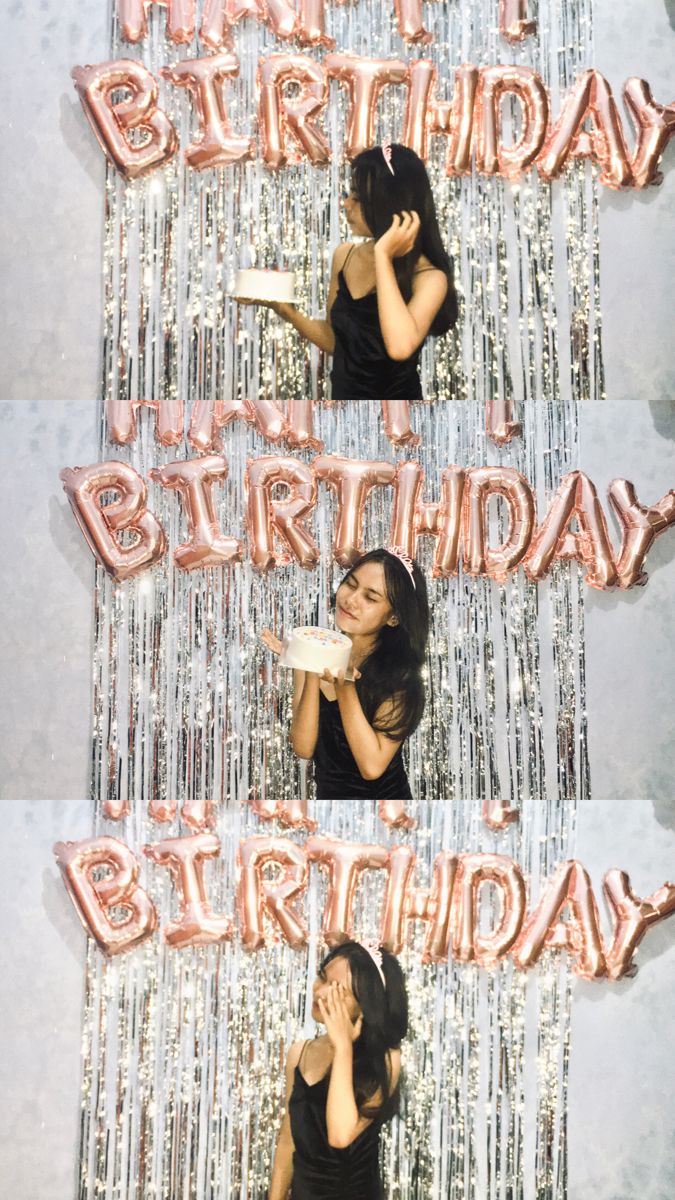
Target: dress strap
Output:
[
  {"x": 302, "y": 1054},
  {"x": 351, "y": 250}
]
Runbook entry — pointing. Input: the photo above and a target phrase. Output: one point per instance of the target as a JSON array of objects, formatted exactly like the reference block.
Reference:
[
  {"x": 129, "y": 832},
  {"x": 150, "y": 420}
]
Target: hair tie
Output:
[
  {"x": 375, "y": 953},
  {"x": 399, "y": 553},
  {"x": 386, "y": 154}
]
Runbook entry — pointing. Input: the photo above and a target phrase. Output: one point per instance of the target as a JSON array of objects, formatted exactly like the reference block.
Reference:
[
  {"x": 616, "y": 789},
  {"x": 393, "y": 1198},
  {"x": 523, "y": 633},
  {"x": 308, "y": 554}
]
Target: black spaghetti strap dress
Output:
[
  {"x": 362, "y": 369},
  {"x": 336, "y": 774},
  {"x": 320, "y": 1171}
]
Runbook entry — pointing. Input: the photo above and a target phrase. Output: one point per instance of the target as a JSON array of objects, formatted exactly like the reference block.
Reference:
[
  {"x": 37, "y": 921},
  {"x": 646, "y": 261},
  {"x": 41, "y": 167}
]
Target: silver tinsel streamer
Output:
[{"x": 183, "y": 1051}]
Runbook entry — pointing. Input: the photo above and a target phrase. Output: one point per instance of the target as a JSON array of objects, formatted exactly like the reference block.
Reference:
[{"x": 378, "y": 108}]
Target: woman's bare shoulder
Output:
[
  {"x": 293, "y": 1056},
  {"x": 340, "y": 254}
]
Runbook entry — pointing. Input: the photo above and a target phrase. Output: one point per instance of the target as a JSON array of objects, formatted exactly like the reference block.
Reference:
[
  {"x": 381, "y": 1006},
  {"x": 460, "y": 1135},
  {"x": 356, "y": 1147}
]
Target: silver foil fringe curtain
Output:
[{"x": 183, "y": 1051}]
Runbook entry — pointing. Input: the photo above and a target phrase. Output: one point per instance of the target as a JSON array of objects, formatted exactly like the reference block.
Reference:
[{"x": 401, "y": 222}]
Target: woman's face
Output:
[
  {"x": 361, "y": 605},
  {"x": 336, "y": 976},
  {"x": 355, "y": 217}
]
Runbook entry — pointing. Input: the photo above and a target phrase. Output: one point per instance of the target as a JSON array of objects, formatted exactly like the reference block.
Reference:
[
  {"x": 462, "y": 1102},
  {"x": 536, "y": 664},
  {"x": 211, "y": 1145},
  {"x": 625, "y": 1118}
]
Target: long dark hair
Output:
[
  {"x": 385, "y": 1024},
  {"x": 394, "y": 666},
  {"x": 381, "y": 194}
]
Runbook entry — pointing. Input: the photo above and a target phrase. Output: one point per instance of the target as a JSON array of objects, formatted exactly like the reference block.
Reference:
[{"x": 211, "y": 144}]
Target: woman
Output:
[
  {"x": 343, "y": 1086},
  {"x": 354, "y": 726},
  {"x": 387, "y": 293}
]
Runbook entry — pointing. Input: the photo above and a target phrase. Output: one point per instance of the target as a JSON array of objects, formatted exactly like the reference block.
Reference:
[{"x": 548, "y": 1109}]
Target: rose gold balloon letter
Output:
[
  {"x": 258, "y": 895},
  {"x": 352, "y": 480},
  {"x": 443, "y": 521},
  {"x": 220, "y": 17},
  {"x": 400, "y": 868},
  {"x": 180, "y": 21},
  {"x": 591, "y": 97},
  {"x": 93, "y": 898},
  {"x": 268, "y": 514},
  {"x": 655, "y": 125},
  {"x": 434, "y": 905},
  {"x": 409, "y": 21},
  {"x": 475, "y": 870},
  {"x": 215, "y": 145},
  {"x": 365, "y": 78},
  {"x": 513, "y": 20},
  {"x": 579, "y": 936},
  {"x": 482, "y": 483},
  {"x": 346, "y": 862},
  {"x": 100, "y": 524},
  {"x": 194, "y": 481},
  {"x": 632, "y": 918},
  {"x": 282, "y": 115},
  {"x": 112, "y": 122},
  {"x": 641, "y": 525},
  {"x": 121, "y": 418},
  {"x": 196, "y": 925},
  {"x": 575, "y": 499},
  {"x": 454, "y": 120},
  {"x": 492, "y": 157}
]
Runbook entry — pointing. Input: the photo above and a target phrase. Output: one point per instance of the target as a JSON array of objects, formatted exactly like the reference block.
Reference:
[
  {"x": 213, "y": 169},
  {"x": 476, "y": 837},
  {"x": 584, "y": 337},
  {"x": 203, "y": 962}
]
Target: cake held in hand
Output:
[
  {"x": 275, "y": 286},
  {"x": 311, "y": 648}
]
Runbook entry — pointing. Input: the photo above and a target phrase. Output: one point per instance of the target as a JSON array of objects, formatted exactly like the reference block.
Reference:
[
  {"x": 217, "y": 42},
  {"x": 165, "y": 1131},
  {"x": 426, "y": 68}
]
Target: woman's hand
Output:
[
  {"x": 341, "y": 678},
  {"x": 272, "y": 642},
  {"x": 341, "y": 1030},
  {"x": 400, "y": 236},
  {"x": 273, "y": 304}
]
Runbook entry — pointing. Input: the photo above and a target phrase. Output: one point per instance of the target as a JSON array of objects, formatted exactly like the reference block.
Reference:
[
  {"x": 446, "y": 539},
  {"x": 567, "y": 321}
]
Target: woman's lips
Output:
[{"x": 343, "y": 613}]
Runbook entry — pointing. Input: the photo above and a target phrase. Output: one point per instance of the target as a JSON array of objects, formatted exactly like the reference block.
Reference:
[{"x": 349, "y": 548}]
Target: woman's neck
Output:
[{"x": 361, "y": 648}]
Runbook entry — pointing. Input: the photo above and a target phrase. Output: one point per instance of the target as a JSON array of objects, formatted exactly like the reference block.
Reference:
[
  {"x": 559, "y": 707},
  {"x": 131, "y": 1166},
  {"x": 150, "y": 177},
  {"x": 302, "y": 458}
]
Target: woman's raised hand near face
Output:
[
  {"x": 400, "y": 236},
  {"x": 341, "y": 1030}
]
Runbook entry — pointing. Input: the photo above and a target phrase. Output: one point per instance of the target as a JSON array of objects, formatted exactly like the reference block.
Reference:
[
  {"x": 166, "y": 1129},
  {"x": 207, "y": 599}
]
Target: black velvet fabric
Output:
[
  {"x": 320, "y": 1171},
  {"x": 362, "y": 369},
  {"x": 335, "y": 771}
]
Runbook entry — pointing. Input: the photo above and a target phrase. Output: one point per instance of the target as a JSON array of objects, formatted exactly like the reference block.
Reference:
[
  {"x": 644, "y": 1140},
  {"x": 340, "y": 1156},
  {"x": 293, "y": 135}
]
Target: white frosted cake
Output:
[
  {"x": 278, "y": 286},
  {"x": 311, "y": 648}
]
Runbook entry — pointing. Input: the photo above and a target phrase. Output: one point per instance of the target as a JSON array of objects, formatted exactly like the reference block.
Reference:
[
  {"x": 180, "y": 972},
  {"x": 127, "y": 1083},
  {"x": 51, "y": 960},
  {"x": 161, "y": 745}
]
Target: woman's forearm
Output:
[
  {"x": 282, "y": 1171},
  {"x": 342, "y": 1115},
  {"x": 372, "y": 751},
  {"x": 320, "y": 332},
  {"x": 399, "y": 330},
  {"x": 305, "y": 723}
]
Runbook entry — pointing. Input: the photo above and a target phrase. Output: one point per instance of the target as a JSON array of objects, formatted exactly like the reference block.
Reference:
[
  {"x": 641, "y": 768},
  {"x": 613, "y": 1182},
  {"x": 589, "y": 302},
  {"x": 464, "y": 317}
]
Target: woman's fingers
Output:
[{"x": 271, "y": 641}]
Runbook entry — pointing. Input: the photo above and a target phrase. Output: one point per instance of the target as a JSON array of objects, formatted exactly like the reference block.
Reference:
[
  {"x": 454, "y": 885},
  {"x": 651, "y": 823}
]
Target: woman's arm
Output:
[
  {"x": 343, "y": 1120},
  {"x": 316, "y": 330},
  {"x": 344, "y": 1123},
  {"x": 305, "y": 720},
  {"x": 372, "y": 751},
  {"x": 405, "y": 326},
  {"x": 305, "y": 723},
  {"x": 282, "y": 1171}
]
